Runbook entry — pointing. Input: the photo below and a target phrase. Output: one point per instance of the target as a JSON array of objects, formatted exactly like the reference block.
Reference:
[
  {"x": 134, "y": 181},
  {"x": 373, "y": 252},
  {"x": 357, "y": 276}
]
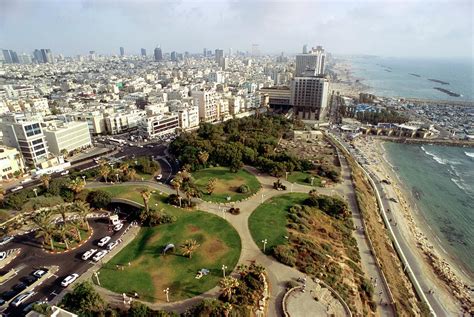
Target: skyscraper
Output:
[
  {"x": 143, "y": 52},
  {"x": 122, "y": 51},
  {"x": 158, "y": 54},
  {"x": 312, "y": 63},
  {"x": 309, "y": 97},
  {"x": 14, "y": 57},
  {"x": 219, "y": 57},
  {"x": 47, "y": 55},
  {"x": 38, "y": 56},
  {"x": 305, "y": 49},
  {"x": 7, "y": 57},
  {"x": 174, "y": 56},
  {"x": 204, "y": 52}
]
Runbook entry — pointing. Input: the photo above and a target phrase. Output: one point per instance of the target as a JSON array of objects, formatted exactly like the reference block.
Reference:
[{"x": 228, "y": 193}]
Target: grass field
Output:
[
  {"x": 150, "y": 272},
  {"x": 269, "y": 221},
  {"x": 300, "y": 178},
  {"x": 227, "y": 184}
]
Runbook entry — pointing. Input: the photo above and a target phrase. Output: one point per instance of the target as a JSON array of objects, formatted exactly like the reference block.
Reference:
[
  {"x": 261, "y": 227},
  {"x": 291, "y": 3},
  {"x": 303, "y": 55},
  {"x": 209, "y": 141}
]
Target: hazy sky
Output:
[{"x": 379, "y": 27}]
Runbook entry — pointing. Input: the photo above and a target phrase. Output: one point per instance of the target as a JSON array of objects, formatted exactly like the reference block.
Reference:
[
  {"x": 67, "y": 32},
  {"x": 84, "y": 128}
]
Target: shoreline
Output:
[{"x": 443, "y": 270}]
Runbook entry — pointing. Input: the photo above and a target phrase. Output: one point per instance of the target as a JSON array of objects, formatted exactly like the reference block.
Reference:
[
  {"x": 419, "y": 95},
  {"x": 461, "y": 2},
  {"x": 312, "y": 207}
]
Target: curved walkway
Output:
[{"x": 278, "y": 273}]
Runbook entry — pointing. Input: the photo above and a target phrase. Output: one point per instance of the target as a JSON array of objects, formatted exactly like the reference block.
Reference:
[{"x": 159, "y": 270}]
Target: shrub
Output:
[
  {"x": 234, "y": 211},
  {"x": 99, "y": 198},
  {"x": 243, "y": 189},
  {"x": 285, "y": 254}
]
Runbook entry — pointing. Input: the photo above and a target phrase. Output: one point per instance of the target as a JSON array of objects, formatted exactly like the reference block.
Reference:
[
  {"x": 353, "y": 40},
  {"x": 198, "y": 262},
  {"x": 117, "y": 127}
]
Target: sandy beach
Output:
[
  {"x": 449, "y": 281},
  {"x": 345, "y": 82}
]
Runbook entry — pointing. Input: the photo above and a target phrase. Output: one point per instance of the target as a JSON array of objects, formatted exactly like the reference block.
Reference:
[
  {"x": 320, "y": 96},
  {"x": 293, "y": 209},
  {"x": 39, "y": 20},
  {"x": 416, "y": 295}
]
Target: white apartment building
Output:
[
  {"x": 10, "y": 162},
  {"x": 158, "y": 125},
  {"x": 27, "y": 136},
  {"x": 38, "y": 105},
  {"x": 3, "y": 107},
  {"x": 68, "y": 136},
  {"x": 311, "y": 64},
  {"x": 309, "y": 97},
  {"x": 95, "y": 121},
  {"x": 206, "y": 101},
  {"x": 188, "y": 114},
  {"x": 120, "y": 122}
]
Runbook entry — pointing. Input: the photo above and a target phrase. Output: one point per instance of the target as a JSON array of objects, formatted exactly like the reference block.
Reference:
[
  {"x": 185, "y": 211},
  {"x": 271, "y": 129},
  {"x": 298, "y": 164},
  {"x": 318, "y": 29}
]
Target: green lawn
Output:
[
  {"x": 227, "y": 184},
  {"x": 269, "y": 221},
  {"x": 300, "y": 178},
  {"x": 132, "y": 192},
  {"x": 150, "y": 272}
]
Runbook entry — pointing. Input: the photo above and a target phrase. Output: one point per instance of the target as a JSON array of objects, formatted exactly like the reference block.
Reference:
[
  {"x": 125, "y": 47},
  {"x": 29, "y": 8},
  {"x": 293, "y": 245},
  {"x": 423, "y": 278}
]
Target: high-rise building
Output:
[
  {"x": 311, "y": 64},
  {"x": 67, "y": 136},
  {"x": 206, "y": 101},
  {"x": 158, "y": 54},
  {"x": 174, "y": 56},
  {"x": 219, "y": 55},
  {"x": 14, "y": 56},
  {"x": 230, "y": 52},
  {"x": 7, "y": 56},
  {"x": 204, "y": 52},
  {"x": 46, "y": 55},
  {"x": 305, "y": 49},
  {"x": 309, "y": 97},
  {"x": 122, "y": 51},
  {"x": 24, "y": 58},
  {"x": 143, "y": 52},
  {"x": 38, "y": 57}
]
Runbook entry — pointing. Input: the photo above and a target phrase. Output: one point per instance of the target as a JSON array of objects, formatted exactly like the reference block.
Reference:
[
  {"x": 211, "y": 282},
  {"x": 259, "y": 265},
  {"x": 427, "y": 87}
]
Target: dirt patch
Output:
[
  {"x": 214, "y": 249},
  {"x": 193, "y": 228},
  {"x": 161, "y": 280},
  {"x": 228, "y": 186}
]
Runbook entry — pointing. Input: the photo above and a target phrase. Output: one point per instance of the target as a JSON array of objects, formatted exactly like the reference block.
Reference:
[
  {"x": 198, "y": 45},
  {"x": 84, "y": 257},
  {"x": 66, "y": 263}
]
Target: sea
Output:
[
  {"x": 440, "y": 180},
  {"x": 409, "y": 77}
]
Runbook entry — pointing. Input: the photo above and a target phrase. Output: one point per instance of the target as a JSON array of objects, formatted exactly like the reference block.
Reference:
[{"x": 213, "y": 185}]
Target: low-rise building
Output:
[
  {"x": 68, "y": 136},
  {"x": 158, "y": 125},
  {"x": 10, "y": 162}
]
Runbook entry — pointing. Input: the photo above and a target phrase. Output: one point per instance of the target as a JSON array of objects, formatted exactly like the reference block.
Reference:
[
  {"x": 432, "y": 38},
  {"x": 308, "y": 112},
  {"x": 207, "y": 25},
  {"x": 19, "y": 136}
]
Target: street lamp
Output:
[
  {"x": 179, "y": 198},
  {"x": 312, "y": 179},
  {"x": 167, "y": 292},
  {"x": 262, "y": 198},
  {"x": 117, "y": 175},
  {"x": 84, "y": 179},
  {"x": 223, "y": 269},
  {"x": 286, "y": 175},
  {"x": 264, "y": 241},
  {"x": 36, "y": 191},
  {"x": 291, "y": 187},
  {"x": 96, "y": 274}
]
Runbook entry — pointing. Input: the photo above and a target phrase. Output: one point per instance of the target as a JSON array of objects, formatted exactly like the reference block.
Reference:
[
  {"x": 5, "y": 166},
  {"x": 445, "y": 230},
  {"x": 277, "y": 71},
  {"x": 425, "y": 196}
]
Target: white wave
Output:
[
  {"x": 470, "y": 154},
  {"x": 439, "y": 159},
  {"x": 462, "y": 186}
]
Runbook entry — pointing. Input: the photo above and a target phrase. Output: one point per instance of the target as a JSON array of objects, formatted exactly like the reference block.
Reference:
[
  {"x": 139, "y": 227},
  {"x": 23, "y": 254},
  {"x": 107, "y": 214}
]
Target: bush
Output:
[
  {"x": 234, "y": 211},
  {"x": 173, "y": 199},
  {"x": 285, "y": 254},
  {"x": 99, "y": 198},
  {"x": 243, "y": 189}
]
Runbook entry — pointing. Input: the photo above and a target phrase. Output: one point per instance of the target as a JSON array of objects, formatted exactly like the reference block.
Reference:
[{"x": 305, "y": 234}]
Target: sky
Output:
[{"x": 408, "y": 28}]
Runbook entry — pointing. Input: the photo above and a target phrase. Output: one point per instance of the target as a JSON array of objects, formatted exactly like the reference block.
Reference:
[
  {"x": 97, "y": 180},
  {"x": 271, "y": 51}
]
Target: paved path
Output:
[{"x": 278, "y": 273}]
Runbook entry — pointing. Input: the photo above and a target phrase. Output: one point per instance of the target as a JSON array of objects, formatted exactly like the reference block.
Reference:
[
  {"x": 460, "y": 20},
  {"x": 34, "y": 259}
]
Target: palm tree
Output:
[
  {"x": 125, "y": 168},
  {"x": 188, "y": 247},
  {"x": 176, "y": 183},
  {"x": 83, "y": 209},
  {"x": 203, "y": 157},
  {"x": 62, "y": 231},
  {"x": 45, "y": 178},
  {"x": 132, "y": 173},
  {"x": 104, "y": 171},
  {"x": 227, "y": 307},
  {"x": 62, "y": 210},
  {"x": 228, "y": 284},
  {"x": 74, "y": 227},
  {"x": 211, "y": 185},
  {"x": 77, "y": 185},
  {"x": 146, "y": 195},
  {"x": 64, "y": 152},
  {"x": 46, "y": 228}
]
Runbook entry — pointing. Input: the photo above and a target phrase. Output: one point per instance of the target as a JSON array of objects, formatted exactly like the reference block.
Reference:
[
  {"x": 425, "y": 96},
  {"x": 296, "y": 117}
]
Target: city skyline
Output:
[{"x": 387, "y": 28}]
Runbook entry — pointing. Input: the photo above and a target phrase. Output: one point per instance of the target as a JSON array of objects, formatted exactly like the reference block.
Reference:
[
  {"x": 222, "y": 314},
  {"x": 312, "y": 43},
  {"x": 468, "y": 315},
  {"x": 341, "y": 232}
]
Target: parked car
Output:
[
  {"x": 88, "y": 254},
  {"x": 29, "y": 307},
  {"x": 112, "y": 245},
  {"x": 26, "y": 180},
  {"x": 68, "y": 280},
  {"x": 3, "y": 255},
  {"x": 28, "y": 280},
  {"x": 103, "y": 241},
  {"x": 22, "y": 298},
  {"x": 9, "y": 294},
  {"x": 40, "y": 273},
  {"x": 158, "y": 177},
  {"x": 99, "y": 255},
  {"x": 16, "y": 189},
  {"x": 118, "y": 227},
  {"x": 64, "y": 173},
  {"x": 5, "y": 239},
  {"x": 20, "y": 287}
]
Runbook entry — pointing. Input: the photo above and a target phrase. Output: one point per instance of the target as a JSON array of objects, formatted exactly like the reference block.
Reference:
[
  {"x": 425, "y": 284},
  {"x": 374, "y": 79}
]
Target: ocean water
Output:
[
  {"x": 390, "y": 77},
  {"x": 441, "y": 181}
]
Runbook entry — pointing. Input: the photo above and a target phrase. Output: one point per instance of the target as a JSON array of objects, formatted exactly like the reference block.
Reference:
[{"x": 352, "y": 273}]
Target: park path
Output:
[{"x": 278, "y": 273}]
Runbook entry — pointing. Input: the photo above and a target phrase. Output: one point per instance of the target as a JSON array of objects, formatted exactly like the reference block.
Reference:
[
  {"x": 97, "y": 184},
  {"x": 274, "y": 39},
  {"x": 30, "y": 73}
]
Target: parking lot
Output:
[{"x": 32, "y": 257}]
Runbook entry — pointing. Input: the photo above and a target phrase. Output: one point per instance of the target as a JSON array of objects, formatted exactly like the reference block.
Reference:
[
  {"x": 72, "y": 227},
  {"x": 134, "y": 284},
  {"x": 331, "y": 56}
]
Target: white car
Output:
[
  {"x": 5, "y": 239},
  {"x": 16, "y": 189},
  {"x": 68, "y": 280},
  {"x": 40, "y": 273},
  {"x": 103, "y": 241},
  {"x": 88, "y": 254},
  {"x": 3, "y": 255},
  {"x": 26, "y": 180},
  {"x": 112, "y": 245},
  {"x": 118, "y": 227},
  {"x": 22, "y": 298},
  {"x": 64, "y": 173},
  {"x": 99, "y": 255},
  {"x": 158, "y": 177}
]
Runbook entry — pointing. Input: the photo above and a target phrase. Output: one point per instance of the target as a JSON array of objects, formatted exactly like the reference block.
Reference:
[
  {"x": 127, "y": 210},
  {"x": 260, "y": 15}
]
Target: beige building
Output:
[
  {"x": 206, "y": 100},
  {"x": 67, "y": 136},
  {"x": 10, "y": 162}
]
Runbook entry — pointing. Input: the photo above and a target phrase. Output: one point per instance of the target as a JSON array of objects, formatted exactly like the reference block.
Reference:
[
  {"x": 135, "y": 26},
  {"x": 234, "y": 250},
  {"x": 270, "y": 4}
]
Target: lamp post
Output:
[
  {"x": 224, "y": 267},
  {"x": 96, "y": 274},
  {"x": 262, "y": 198},
  {"x": 179, "y": 198},
  {"x": 291, "y": 187},
  {"x": 117, "y": 175},
  {"x": 36, "y": 191},
  {"x": 84, "y": 179},
  {"x": 264, "y": 241},
  {"x": 286, "y": 176},
  {"x": 312, "y": 179},
  {"x": 167, "y": 292}
]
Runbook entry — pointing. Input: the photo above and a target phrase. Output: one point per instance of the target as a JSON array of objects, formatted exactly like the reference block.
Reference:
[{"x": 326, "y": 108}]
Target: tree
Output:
[
  {"x": 188, "y": 247},
  {"x": 132, "y": 174},
  {"x": 176, "y": 183},
  {"x": 84, "y": 300},
  {"x": 83, "y": 210},
  {"x": 211, "y": 185},
  {"x": 63, "y": 231},
  {"x": 99, "y": 198},
  {"x": 228, "y": 285},
  {"x": 45, "y": 178},
  {"x": 77, "y": 185},
  {"x": 64, "y": 152},
  {"x": 203, "y": 156},
  {"x": 62, "y": 210},
  {"x": 146, "y": 195},
  {"x": 227, "y": 307},
  {"x": 104, "y": 171},
  {"x": 125, "y": 167},
  {"x": 45, "y": 226}
]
